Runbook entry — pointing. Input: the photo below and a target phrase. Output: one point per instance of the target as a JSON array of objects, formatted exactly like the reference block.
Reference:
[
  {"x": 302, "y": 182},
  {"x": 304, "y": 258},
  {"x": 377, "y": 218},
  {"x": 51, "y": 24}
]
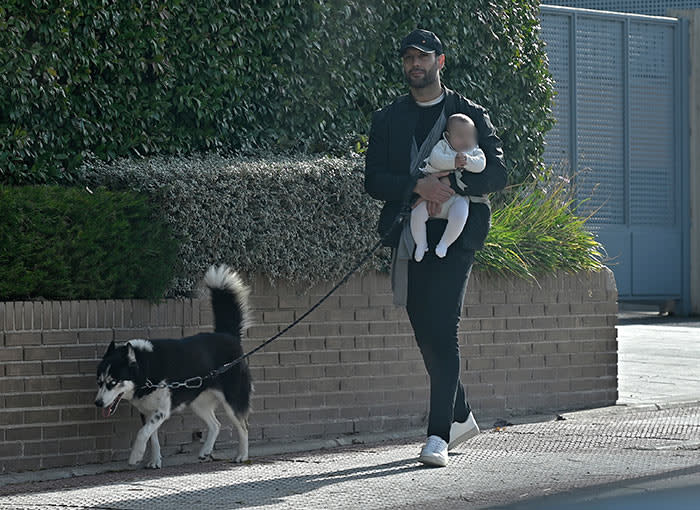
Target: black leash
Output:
[
  {"x": 405, "y": 211},
  {"x": 196, "y": 382}
]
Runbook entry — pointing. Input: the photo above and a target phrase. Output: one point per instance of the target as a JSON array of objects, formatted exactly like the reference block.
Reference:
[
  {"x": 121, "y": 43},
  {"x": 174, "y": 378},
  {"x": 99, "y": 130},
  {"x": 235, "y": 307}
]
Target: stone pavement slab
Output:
[
  {"x": 658, "y": 360},
  {"x": 502, "y": 466}
]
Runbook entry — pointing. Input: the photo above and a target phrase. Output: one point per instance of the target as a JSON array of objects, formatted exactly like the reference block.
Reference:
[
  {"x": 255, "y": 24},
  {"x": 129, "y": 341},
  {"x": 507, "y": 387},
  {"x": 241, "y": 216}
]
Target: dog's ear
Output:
[
  {"x": 110, "y": 349},
  {"x": 130, "y": 354}
]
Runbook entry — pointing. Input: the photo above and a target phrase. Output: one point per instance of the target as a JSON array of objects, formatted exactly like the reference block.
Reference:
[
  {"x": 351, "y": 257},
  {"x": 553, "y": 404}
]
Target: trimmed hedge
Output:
[
  {"x": 70, "y": 243},
  {"x": 301, "y": 219},
  {"x": 308, "y": 219},
  {"x": 140, "y": 78}
]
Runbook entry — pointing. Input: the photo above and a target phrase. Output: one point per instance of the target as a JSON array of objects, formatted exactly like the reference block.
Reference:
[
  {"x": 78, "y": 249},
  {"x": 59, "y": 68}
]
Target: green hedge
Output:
[
  {"x": 308, "y": 219},
  {"x": 71, "y": 243},
  {"x": 144, "y": 77},
  {"x": 302, "y": 219}
]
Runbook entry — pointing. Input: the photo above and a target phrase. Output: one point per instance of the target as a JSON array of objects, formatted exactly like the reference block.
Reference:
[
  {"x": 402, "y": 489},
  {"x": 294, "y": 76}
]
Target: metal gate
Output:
[{"x": 621, "y": 109}]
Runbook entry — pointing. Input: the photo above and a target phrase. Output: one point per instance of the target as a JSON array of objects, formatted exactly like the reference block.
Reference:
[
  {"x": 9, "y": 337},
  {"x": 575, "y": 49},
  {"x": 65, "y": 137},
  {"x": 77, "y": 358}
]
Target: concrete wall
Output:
[{"x": 351, "y": 368}]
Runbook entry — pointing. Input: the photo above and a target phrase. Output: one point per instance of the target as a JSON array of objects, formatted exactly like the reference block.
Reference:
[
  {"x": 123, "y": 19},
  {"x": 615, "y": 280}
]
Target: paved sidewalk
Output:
[
  {"x": 658, "y": 359},
  {"x": 501, "y": 466},
  {"x": 645, "y": 454}
]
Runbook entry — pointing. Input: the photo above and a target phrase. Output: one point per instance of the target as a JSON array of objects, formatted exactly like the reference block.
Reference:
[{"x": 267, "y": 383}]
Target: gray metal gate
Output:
[{"x": 621, "y": 131}]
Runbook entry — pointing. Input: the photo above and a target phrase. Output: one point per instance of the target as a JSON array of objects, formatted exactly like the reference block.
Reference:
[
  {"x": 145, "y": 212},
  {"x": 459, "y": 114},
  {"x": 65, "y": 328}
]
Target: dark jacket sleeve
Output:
[
  {"x": 494, "y": 176},
  {"x": 380, "y": 182}
]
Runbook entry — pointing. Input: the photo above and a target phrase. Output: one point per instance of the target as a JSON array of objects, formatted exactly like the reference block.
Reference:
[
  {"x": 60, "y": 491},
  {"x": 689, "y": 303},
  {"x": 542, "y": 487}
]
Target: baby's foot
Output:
[
  {"x": 420, "y": 251},
  {"x": 441, "y": 249}
]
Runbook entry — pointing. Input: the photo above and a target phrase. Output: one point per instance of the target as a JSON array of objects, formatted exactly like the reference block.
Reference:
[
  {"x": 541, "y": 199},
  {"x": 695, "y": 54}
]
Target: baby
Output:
[{"x": 457, "y": 150}]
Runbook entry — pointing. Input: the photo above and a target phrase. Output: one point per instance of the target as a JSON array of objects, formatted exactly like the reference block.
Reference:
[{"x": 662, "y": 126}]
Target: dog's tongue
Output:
[{"x": 109, "y": 410}]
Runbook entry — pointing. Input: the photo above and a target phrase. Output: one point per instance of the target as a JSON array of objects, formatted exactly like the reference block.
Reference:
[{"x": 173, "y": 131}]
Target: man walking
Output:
[{"x": 401, "y": 138}]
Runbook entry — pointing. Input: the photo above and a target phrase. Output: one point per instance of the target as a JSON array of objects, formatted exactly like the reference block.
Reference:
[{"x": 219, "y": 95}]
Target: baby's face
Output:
[{"x": 462, "y": 136}]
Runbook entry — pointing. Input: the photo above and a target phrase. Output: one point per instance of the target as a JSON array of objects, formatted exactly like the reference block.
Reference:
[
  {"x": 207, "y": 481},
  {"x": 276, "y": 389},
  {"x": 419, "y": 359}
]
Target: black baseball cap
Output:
[{"x": 423, "y": 40}]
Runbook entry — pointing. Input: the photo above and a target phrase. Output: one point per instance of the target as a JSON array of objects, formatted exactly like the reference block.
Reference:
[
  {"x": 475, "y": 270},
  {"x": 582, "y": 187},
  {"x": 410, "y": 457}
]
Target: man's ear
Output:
[{"x": 441, "y": 61}]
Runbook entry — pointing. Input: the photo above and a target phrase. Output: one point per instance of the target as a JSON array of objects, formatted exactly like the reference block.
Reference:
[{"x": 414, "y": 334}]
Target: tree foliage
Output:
[{"x": 128, "y": 78}]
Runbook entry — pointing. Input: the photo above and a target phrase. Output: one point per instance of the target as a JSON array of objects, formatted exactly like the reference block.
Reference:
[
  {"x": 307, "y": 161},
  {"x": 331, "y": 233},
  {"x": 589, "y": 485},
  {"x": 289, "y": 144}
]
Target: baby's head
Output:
[{"x": 461, "y": 132}]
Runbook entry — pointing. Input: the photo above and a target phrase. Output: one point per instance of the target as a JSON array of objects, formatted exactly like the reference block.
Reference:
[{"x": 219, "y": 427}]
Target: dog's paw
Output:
[
  {"x": 135, "y": 458},
  {"x": 155, "y": 463},
  {"x": 205, "y": 457},
  {"x": 240, "y": 458}
]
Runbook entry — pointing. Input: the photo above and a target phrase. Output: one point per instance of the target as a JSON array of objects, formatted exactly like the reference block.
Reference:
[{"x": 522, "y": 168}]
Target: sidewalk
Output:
[
  {"x": 659, "y": 359},
  {"x": 645, "y": 454}
]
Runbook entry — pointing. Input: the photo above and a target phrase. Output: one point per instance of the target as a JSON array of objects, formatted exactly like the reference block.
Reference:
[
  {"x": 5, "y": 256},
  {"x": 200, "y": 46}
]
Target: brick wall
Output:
[{"x": 351, "y": 368}]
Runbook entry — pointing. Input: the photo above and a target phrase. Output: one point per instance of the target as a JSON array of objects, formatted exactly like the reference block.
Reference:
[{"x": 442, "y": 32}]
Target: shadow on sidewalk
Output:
[{"x": 259, "y": 492}]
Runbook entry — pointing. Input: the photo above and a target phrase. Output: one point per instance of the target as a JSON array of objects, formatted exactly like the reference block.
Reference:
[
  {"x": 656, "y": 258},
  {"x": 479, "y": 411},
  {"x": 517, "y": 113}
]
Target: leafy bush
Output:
[
  {"x": 68, "y": 243},
  {"x": 308, "y": 219},
  {"x": 129, "y": 78},
  {"x": 301, "y": 219}
]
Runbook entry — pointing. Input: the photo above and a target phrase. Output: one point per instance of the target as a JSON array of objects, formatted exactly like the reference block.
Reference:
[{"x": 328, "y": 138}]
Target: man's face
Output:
[{"x": 421, "y": 69}]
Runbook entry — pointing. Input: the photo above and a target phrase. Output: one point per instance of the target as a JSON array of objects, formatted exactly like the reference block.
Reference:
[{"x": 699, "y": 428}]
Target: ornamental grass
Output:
[{"x": 538, "y": 231}]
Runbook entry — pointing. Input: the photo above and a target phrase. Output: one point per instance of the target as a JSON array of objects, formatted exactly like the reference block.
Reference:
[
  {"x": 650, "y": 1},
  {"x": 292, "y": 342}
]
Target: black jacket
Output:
[{"x": 387, "y": 165}]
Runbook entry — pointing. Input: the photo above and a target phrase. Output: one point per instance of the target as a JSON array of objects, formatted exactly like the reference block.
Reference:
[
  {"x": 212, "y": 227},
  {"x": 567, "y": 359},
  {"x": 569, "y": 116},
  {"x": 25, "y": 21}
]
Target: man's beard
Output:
[{"x": 430, "y": 77}]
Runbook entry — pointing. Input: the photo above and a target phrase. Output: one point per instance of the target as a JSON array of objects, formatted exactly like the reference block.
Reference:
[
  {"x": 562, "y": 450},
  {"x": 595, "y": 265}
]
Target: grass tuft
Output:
[{"x": 538, "y": 232}]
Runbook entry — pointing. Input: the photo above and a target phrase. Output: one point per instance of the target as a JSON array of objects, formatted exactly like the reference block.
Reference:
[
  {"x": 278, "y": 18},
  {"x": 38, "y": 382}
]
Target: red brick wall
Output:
[{"x": 352, "y": 367}]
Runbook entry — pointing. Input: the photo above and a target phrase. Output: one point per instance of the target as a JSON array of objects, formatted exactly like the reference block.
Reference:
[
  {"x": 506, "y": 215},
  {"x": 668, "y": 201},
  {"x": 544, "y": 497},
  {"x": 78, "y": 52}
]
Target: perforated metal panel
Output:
[
  {"x": 649, "y": 7},
  {"x": 600, "y": 133},
  {"x": 653, "y": 180},
  {"x": 558, "y": 139},
  {"x": 619, "y": 110}
]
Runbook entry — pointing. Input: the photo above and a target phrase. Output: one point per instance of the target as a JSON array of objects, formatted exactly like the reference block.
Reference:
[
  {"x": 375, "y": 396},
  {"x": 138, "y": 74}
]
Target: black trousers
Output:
[{"x": 436, "y": 290}]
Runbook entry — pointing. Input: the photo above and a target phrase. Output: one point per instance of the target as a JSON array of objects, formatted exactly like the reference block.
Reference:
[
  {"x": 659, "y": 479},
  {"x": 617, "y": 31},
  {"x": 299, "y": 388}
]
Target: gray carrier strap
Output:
[
  {"x": 479, "y": 199},
  {"x": 403, "y": 253}
]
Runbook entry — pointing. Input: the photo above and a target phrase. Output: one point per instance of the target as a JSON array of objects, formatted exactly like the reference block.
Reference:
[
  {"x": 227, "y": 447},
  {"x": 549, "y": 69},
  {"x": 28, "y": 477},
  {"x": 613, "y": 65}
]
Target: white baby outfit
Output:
[{"x": 456, "y": 209}]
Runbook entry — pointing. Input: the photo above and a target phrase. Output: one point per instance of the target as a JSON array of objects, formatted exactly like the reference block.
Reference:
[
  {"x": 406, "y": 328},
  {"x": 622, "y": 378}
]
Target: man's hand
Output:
[
  {"x": 434, "y": 209},
  {"x": 432, "y": 190},
  {"x": 417, "y": 203}
]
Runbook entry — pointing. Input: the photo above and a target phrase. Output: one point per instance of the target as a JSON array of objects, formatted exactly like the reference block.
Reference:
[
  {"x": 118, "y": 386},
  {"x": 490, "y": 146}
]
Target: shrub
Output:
[
  {"x": 141, "y": 78},
  {"x": 538, "y": 232},
  {"x": 308, "y": 219},
  {"x": 303, "y": 218},
  {"x": 69, "y": 243}
]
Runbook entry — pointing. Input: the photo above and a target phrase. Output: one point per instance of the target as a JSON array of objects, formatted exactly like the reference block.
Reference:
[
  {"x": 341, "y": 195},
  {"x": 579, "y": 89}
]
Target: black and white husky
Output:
[{"x": 124, "y": 371}]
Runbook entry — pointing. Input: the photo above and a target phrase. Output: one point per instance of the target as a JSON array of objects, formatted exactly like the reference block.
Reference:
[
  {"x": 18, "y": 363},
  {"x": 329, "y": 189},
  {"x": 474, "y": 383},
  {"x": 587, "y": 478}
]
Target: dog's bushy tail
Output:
[{"x": 229, "y": 299}]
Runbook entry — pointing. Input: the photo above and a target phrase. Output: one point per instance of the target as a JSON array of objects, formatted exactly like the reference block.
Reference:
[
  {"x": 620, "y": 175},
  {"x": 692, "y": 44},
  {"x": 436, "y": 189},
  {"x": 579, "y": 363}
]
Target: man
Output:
[{"x": 401, "y": 137}]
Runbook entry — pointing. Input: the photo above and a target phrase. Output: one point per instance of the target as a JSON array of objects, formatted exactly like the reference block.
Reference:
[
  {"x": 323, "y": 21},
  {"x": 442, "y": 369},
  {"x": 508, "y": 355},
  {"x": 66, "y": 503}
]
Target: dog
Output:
[{"x": 126, "y": 371}]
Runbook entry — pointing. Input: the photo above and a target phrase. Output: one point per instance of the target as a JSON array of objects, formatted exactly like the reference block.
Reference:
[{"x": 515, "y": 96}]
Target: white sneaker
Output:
[
  {"x": 460, "y": 432},
  {"x": 434, "y": 453}
]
